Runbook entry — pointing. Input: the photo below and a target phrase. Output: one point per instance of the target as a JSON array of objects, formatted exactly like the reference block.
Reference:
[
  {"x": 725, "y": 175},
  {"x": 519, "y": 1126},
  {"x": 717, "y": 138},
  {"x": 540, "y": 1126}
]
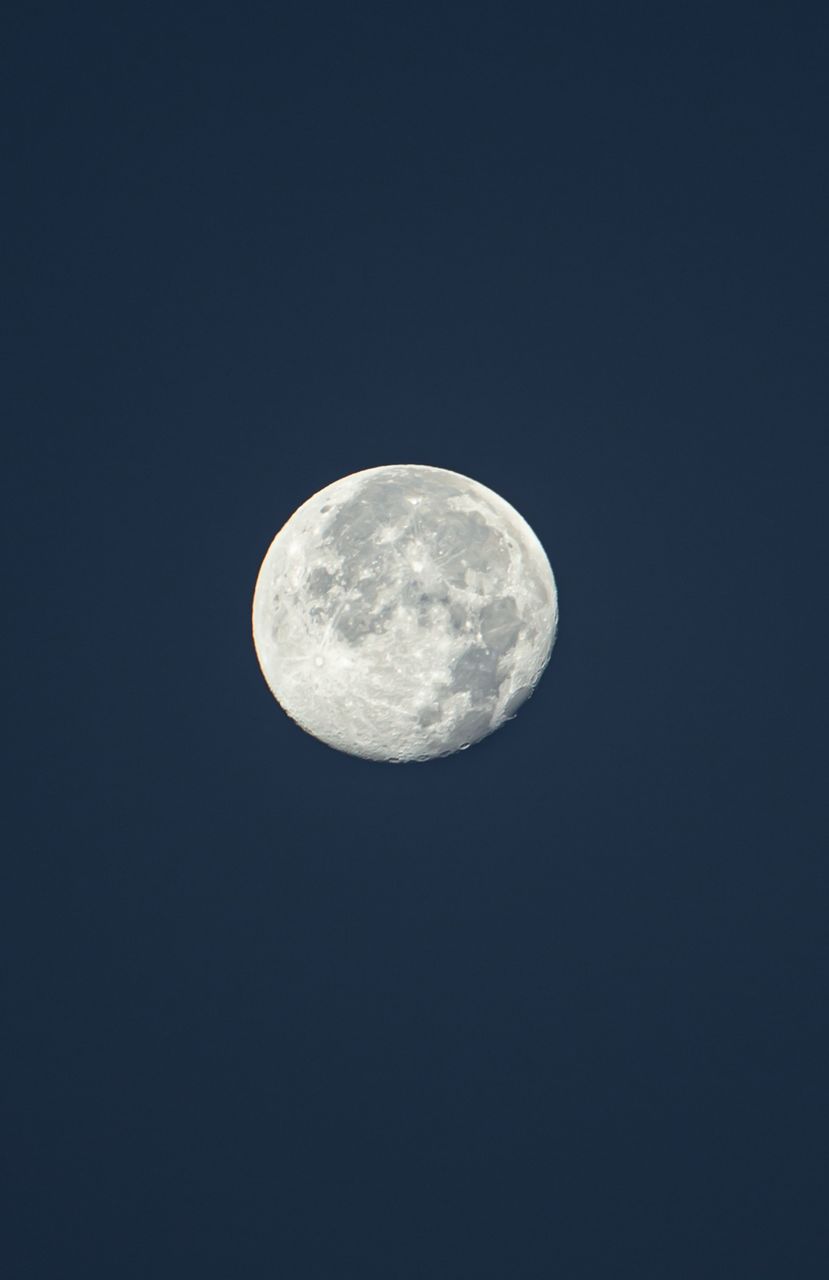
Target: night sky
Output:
[{"x": 555, "y": 1006}]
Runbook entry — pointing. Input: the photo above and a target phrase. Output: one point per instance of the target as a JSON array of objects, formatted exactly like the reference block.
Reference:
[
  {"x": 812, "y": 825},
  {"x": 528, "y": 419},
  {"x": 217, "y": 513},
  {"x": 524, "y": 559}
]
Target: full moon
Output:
[{"x": 404, "y": 612}]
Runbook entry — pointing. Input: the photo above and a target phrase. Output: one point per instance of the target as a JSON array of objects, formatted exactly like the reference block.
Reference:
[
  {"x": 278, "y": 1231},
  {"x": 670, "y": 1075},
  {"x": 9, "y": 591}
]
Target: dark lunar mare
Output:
[{"x": 415, "y": 506}]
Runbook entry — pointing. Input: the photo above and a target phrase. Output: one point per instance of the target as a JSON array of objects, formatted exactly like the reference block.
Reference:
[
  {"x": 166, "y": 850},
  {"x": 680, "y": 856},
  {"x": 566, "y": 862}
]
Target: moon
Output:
[{"x": 403, "y": 613}]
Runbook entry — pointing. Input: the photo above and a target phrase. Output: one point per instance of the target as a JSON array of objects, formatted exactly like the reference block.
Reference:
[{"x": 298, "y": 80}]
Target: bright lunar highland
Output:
[{"x": 403, "y": 613}]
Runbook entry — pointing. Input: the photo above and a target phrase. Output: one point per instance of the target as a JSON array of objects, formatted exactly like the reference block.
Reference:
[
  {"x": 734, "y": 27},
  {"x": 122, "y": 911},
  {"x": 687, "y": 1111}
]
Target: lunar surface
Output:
[{"x": 404, "y": 613}]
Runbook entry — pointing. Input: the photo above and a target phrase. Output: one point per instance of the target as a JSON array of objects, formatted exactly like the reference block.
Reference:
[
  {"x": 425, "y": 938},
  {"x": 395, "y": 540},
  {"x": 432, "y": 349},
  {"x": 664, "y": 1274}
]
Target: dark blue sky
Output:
[{"x": 555, "y": 1006}]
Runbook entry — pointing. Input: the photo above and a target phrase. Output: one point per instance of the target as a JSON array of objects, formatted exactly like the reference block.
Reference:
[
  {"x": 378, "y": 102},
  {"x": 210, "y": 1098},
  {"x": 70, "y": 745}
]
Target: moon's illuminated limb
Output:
[{"x": 404, "y": 612}]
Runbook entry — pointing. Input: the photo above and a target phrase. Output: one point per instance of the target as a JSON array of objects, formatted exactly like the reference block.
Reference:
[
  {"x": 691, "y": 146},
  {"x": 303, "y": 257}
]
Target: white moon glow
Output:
[{"x": 403, "y": 613}]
